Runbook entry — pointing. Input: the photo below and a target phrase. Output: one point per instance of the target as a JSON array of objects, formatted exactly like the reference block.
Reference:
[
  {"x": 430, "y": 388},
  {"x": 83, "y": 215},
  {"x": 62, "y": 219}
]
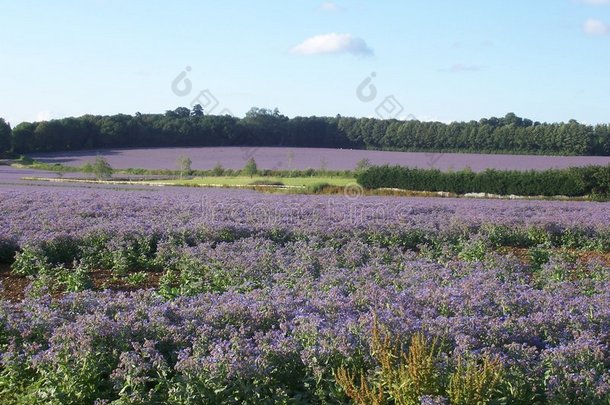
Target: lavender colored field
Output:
[
  {"x": 303, "y": 158},
  {"x": 28, "y": 214},
  {"x": 10, "y": 174},
  {"x": 260, "y": 297},
  {"x": 12, "y": 178}
]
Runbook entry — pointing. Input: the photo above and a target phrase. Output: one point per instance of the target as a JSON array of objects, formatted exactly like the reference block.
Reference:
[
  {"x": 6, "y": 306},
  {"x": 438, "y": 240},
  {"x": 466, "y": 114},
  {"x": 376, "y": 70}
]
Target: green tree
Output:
[
  {"x": 182, "y": 112},
  {"x": 23, "y": 138},
  {"x": 5, "y": 136},
  {"x": 101, "y": 168},
  {"x": 250, "y": 169},
  {"x": 218, "y": 170},
  {"x": 362, "y": 165},
  {"x": 266, "y": 127},
  {"x": 185, "y": 163},
  {"x": 197, "y": 111}
]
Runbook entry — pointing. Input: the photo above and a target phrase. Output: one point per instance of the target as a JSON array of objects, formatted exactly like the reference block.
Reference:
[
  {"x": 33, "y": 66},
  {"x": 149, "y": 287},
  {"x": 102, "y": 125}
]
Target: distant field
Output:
[{"x": 303, "y": 158}]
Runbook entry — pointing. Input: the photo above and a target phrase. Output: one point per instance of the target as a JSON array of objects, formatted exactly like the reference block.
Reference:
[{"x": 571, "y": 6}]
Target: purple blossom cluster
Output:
[{"x": 263, "y": 296}]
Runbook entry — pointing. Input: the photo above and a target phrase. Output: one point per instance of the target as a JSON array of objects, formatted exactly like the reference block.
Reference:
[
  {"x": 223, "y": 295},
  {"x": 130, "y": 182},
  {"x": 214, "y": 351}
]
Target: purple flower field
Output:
[
  {"x": 11, "y": 176},
  {"x": 31, "y": 213},
  {"x": 304, "y": 158},
  {"x": 12, "y": 179},
  {"x": 258, "y": 299}
]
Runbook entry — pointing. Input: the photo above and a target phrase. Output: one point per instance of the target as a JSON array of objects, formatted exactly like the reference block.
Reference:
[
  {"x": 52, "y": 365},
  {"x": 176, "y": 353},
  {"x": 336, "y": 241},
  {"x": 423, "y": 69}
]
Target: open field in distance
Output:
[{"x": 304, "y": 158}]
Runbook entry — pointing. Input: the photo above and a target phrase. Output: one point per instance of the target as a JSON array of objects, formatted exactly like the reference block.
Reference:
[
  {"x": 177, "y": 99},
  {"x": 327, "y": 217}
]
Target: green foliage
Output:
[
  {"x": 144, "y": 376},
  {"x": 76, "y": 280},
  {"x": 250, "y": 169},
  {"x": 189, "y": 276},
  {"x": 538, "y": 257},
  {"x": 197, "y": 111},
  {"x": 184, "y": 165},
  {"x": 137, "y": 278},
  {"x": 5, "y": 137},
  {"x": 362, "y": 165},
  {"x": 71, "y": 380},
  {"x": 186, "y": 277},
  {"x": 16, "y": 377},
  {"x": 265, "y": 127},
  {"x": 100, "y": 168},
  {"x": 317, "y": 188},
  {"x": 218, "y": 170},
  {"x": 135, "y": 252},
  {"x": 63, "y": 249},
  {"x": 473, "y": 250},
  {"x": 46, "y": 276},
  {"x": 573, "y": 182},
  {"x": 30, "y": 262},
  {"x": 502, "y": 235},
  {"x": 64, "y": 279}
]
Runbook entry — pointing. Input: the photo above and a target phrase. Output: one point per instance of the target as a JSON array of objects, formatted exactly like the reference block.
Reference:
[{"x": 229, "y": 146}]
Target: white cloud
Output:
[
  {"x": 595, "y": 27},
  {"x": 330, "y": 7},
  {"x": 333, "y": 43}
]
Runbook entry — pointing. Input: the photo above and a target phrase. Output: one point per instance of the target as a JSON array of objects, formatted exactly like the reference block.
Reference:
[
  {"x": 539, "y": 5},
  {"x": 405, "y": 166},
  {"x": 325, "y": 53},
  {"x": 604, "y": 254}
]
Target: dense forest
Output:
[
  {"x": 264, "y": 127},
  {"x": 574, "y": 182}
]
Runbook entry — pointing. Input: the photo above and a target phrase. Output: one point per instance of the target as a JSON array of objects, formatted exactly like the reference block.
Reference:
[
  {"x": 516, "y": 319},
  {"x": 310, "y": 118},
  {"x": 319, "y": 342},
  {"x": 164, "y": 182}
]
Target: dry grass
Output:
[{"x": 403, "y": 377}]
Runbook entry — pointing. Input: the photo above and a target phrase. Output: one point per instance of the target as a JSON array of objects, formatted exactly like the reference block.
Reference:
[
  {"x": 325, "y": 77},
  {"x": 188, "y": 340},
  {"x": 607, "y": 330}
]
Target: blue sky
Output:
[{"x": 444, "y": 60}]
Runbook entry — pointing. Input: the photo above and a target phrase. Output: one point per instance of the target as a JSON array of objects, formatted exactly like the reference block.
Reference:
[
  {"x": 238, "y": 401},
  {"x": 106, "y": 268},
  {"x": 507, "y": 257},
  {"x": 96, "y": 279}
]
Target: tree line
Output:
[
  {"x": 573, "y": 182},
  {"x": 265, "y": 127}
]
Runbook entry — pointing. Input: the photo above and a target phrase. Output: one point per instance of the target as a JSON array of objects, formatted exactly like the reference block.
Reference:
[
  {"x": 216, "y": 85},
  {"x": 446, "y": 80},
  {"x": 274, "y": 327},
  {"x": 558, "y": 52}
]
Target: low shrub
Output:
[{"x": 572, "y": 182}]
